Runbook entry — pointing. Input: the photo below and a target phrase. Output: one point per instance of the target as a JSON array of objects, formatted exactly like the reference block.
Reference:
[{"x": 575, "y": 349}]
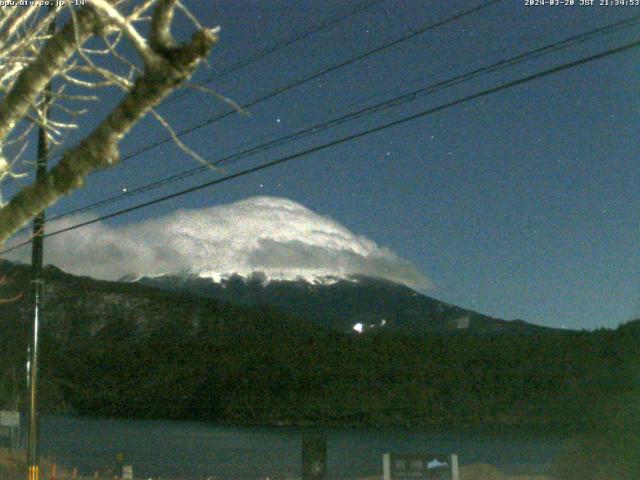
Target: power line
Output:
[
  {"x": 345, "y": 139},
  {"x": 425, "y": 28},
  {"x": 396, "y": 101}
]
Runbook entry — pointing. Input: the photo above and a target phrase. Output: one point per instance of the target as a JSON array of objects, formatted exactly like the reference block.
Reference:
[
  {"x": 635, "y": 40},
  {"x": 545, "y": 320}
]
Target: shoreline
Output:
[{"x": 566, "y": 430}]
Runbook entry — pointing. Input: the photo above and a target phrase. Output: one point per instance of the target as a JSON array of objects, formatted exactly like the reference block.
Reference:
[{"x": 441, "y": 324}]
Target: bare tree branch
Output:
[
  {"x": 166, "y": 67},
  {"x": 33, "y": 78},
  {"x": 114, "y": 16}
]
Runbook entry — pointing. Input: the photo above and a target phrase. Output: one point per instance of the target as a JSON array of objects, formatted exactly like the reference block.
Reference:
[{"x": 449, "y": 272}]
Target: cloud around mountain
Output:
[{"x": 277, "y": 236}]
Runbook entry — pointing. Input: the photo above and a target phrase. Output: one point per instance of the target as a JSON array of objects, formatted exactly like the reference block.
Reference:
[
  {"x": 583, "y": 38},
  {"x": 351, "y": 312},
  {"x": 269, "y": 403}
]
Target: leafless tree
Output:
[{"x": 96, "y": 46}]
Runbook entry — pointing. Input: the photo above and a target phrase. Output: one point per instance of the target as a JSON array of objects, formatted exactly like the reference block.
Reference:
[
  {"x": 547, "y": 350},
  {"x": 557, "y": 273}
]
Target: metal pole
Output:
[{"x": 37, "y": 291}]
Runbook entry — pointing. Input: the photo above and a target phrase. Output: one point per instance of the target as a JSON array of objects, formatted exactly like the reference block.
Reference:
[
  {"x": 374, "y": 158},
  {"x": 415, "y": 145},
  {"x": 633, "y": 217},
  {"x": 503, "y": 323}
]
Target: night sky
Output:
[{"x": 522, "y": 204}]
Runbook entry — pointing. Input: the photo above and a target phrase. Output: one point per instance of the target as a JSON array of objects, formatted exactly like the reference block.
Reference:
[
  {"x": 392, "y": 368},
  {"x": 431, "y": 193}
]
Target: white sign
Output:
[
  {"x": 397, "y": 466},
  {"x": 9, "y": 418},
  {"x": 127, "y": 472}
]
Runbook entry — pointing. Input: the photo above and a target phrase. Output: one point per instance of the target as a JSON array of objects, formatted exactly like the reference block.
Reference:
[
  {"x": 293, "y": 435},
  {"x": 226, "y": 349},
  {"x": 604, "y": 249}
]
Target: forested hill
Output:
[{"x": 120, "y": 349}]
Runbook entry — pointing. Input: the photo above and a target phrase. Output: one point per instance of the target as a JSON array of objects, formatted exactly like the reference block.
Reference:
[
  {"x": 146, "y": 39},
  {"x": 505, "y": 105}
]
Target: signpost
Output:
[
  {"x": 10, "y": 418},
  {"x": 420, "y": 467},
  {"x": 10, "y": 428}
]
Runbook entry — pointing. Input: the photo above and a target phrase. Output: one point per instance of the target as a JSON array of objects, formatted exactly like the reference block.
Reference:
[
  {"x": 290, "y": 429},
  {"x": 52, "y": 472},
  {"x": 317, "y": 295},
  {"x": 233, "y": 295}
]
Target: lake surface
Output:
[{"x": 193, "y": 450}]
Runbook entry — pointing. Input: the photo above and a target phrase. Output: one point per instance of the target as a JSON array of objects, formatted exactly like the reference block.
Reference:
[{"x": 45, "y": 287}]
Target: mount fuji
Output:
[{"x": 275, "y": 251}]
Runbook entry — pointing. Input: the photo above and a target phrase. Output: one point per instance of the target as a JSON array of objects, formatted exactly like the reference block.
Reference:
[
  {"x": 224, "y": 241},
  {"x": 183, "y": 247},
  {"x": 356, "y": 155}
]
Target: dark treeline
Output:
[
  {"x": 258, "y": 366},
  {"x": 118, "y": 349}
]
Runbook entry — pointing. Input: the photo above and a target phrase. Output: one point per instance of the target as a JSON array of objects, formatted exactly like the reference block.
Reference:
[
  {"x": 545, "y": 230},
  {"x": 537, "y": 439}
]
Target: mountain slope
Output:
[
  {"x": 358, "y": 303},
  {"x": 82, "y": 307}
]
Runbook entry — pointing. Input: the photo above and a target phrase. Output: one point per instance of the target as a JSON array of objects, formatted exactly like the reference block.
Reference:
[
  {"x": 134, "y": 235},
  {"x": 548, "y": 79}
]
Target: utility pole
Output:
[{"x": 37, "y": 288}]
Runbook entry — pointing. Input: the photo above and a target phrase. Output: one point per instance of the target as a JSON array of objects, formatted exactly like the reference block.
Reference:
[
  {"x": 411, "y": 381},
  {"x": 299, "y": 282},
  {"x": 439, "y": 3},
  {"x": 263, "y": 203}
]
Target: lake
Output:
[{"x": 194, "y": 450}]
